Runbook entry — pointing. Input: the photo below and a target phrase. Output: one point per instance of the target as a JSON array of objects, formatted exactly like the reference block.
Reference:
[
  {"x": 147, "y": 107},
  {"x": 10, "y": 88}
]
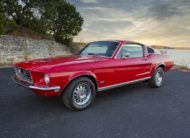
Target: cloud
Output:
[
  {"x": 89, "y": 1},
  {"x": 168, "y": 25},
  {"x": 164, "y": 22}
]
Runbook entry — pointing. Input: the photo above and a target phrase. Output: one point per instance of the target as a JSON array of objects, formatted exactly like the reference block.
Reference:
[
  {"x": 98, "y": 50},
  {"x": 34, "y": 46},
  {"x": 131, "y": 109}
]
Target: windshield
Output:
[{"x": 105, "y": 49}]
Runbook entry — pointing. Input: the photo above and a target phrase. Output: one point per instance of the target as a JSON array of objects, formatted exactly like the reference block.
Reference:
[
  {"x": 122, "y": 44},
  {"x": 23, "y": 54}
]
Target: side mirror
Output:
[{"x": 125, "y": 55}]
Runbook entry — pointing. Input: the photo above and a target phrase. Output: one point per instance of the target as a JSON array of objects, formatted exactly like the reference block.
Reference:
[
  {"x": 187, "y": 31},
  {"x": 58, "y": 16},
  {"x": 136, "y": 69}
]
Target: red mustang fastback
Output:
[{"x": 99, "y": 66}]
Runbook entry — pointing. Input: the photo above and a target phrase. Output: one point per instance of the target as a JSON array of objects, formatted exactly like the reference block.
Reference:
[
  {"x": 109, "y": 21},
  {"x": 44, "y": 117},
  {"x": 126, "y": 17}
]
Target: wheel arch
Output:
[
  {"x": 162, "y": 65},
  {"x": 155, "y": 66},
  {"x": 91, "y": 76},
  {"x": 152, "y": 81}
]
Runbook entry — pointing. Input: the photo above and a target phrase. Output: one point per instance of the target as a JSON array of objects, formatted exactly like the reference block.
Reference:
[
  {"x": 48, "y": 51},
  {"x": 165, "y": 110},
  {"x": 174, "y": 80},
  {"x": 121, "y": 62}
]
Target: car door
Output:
[{"x": 134, "y": 67}]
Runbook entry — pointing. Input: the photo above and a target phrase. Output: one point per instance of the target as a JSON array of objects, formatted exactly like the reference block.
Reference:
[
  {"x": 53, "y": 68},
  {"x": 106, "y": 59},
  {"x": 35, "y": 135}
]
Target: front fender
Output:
[
  {"x": 79, "y": 74},
  {"x": 62, "y": 79},
  {"x": 82, "y": 73}
]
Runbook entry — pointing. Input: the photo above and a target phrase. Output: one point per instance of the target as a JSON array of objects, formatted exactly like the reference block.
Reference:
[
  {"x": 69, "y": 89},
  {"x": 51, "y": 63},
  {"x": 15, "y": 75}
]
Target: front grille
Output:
[{"x": 23, "y": 74}]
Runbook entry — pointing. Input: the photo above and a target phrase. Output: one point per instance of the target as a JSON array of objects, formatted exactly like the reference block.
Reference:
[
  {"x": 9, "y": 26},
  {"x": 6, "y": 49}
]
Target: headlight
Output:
[{"x": 46, "y": 78}]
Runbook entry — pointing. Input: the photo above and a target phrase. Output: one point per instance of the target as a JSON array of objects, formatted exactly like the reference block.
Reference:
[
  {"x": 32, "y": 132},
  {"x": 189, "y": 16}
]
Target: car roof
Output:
[{"x": 119, "y": 41}]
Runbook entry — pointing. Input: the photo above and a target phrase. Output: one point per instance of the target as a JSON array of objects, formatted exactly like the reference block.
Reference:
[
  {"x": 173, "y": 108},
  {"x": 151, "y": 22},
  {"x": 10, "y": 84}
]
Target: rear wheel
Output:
[
  {"x": 157, "y": 78},
  {"x": 79, "y": 94}
]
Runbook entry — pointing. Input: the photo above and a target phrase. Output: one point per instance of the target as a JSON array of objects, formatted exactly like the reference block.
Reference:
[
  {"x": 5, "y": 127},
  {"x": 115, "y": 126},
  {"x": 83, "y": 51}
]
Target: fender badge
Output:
[{"x": 101, "y": 82}]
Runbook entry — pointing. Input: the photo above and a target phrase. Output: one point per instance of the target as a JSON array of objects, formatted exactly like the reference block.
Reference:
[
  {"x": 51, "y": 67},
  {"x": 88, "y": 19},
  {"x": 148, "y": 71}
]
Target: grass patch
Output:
[
  {"x": 5, "y": 64},
  {"x": 25, "y": 32},
  {"x": 26, "y": 53},
  {"x": 74, "y": 48},
  {"x": 177, "y": 67},
  {"x": 182, "y": 66}
]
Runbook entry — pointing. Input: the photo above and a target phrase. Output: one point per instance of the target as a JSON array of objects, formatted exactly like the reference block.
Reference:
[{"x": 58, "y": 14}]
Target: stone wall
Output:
[{"x": 15, "y": 49}]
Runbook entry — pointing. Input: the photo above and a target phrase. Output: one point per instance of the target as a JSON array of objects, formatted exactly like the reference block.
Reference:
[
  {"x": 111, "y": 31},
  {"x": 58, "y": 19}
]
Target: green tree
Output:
[
  {"x": 12, "y": 27},
  {"x": 47, "y": 10},
  {"x": 23, "y": 13},
  {"x": 43, "y": 16},
  {"x": 6, "y": 25},
  {"x": 67, "y": 22},
  {"x": 3, "y": 22},
  {"x": 15, "y": 10}
]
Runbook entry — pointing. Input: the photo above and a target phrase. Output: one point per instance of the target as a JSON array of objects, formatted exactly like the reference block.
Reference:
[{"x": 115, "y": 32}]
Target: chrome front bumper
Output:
[{"x": 15, "y": 79}]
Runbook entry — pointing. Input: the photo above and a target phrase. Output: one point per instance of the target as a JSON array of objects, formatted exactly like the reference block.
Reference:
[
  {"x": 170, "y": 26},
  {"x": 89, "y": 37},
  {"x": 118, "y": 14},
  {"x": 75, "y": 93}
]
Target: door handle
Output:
[{"x": 145, "y": 59}]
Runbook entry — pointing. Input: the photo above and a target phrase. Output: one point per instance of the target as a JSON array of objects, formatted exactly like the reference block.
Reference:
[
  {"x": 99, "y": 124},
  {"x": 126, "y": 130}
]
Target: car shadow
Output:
[{"x": 34, "y": 104}]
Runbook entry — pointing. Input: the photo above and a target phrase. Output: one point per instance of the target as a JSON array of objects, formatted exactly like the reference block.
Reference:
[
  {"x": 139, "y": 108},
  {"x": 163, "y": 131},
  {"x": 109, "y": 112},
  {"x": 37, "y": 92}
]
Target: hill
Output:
[{"x": 166, "y": 47}]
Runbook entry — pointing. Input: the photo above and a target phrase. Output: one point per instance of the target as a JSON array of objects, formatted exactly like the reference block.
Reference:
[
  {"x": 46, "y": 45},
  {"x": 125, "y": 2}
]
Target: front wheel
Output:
[
  {"x": 79, "y": 94},
  {"x": 157, "y": 78}
]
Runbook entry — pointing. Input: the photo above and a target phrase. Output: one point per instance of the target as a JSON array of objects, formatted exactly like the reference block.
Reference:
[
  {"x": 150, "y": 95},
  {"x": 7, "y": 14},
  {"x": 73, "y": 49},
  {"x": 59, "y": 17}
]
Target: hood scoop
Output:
[{"x": 47, "y": 60}]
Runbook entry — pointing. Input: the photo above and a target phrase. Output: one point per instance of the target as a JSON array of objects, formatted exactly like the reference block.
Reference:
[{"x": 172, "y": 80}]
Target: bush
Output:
[{"x": 74, "y": 48}]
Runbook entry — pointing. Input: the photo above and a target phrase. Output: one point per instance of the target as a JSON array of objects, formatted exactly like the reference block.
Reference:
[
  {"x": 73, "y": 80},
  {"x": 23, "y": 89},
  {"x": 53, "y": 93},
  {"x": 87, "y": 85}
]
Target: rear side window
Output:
[{"x": 150, "y": 50}]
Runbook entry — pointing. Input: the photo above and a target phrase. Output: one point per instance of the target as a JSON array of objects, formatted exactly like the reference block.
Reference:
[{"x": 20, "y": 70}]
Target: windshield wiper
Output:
[{"x": 93, "y": 54}]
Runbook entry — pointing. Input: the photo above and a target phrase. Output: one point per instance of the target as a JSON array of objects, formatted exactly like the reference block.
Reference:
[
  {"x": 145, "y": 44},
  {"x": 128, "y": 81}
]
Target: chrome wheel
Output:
[
  {"x": 158, "y": 78},
  {"x": 81, "y": 94}
]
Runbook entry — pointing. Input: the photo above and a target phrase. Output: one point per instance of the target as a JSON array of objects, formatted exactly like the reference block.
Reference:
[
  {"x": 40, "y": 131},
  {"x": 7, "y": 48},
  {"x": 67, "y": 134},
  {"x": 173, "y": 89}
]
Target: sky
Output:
[{"x": 151, "y": 22}]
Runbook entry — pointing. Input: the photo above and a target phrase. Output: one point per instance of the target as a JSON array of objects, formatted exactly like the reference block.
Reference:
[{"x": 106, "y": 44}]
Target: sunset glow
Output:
[{"x": 160, "y": 22}]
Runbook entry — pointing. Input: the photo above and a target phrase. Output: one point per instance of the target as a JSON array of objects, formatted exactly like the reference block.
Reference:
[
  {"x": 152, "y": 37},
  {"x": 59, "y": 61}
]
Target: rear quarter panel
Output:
[{"x": 160, "y": 59}]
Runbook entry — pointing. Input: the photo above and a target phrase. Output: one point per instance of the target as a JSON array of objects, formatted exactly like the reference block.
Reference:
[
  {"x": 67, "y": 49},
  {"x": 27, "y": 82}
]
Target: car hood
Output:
[{"x": 33, "y": 64}]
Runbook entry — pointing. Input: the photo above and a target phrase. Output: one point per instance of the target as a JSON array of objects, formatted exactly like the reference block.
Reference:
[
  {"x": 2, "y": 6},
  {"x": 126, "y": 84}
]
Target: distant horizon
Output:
[
  {"x": 143, "y": 43},
  {"x": 161, "y": 22}
]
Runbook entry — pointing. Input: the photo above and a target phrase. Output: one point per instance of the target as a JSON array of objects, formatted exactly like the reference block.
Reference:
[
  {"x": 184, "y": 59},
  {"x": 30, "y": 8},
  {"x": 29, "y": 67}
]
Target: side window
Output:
[
  {"x": 134, "y": 50},
  {"x": 150, "y": 50}
]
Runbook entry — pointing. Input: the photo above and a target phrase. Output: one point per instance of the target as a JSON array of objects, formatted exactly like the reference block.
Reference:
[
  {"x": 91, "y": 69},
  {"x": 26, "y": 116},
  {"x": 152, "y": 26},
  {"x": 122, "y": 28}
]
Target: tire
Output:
[
  {"x": 157, "y": 78},
  {"x": 79, "y": 94}
]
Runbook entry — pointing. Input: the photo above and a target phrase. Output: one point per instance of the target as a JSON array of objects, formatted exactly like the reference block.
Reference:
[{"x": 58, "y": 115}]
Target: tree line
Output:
[{"x": 56, "y": 17}]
